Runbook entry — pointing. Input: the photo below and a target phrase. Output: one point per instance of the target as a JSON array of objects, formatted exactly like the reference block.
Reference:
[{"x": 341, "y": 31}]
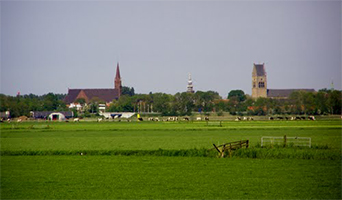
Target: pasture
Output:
[{"x": 42, "y": 160}]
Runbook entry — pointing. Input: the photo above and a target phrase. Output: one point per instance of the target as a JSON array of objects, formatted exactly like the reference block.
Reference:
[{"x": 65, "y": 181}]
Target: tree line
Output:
[{"x": 237, "y": 103}]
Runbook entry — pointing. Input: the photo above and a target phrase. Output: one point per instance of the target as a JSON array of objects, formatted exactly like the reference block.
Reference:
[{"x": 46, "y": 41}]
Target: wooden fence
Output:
[{"x": 230, "y": 147}]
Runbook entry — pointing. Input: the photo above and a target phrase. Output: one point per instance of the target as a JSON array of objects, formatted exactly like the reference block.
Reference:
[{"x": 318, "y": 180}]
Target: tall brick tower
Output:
[
  {"x": 259, "y": 81},
  {"x": 117, "y": 81}
]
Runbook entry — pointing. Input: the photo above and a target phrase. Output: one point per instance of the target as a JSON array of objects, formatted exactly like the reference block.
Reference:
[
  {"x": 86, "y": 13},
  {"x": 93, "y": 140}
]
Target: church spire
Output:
[
  {"x": 117, "y": 72},
  {"x": 117, "y": 81},
  {"x": 190, "y": 86}
]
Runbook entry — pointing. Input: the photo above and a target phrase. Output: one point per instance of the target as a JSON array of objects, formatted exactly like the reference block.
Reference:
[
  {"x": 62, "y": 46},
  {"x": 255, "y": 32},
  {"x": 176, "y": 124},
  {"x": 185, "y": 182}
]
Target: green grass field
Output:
[{"x": 103, "y": 174}]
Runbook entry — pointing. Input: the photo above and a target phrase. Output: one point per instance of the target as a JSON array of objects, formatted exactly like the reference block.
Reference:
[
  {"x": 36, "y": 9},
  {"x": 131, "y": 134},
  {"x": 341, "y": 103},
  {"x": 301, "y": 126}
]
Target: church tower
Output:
[
  {"x": 190, "y": 86},
  {"x": 259, "y": 81},
  {"x": 117, "y": 81}
]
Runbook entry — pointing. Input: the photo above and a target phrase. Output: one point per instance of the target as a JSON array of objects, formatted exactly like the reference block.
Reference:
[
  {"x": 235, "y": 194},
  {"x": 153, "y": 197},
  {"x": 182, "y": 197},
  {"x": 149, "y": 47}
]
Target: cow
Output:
[
  {"x": 311, "y": 118},
  {"x": 19, "y": 120},
  {"x": 198, "y": 118},
  {"x": 150, "y": 119},
  {"x": 298, "y": 118},
  {"x": 99, "y": 119},
  {"x": 156, "y": 119},
  {"x": 303, "y": 117},
  {"x": 238, "y": 119},
  {"x": 170, "y": 119},
  {"x": 280, "y": 118},
  {"x": 77, "y": 120},
  {"x": 186, "y": 119},
  {"x": 271, "y": 118},
  {"x": 206, "y": 118}
]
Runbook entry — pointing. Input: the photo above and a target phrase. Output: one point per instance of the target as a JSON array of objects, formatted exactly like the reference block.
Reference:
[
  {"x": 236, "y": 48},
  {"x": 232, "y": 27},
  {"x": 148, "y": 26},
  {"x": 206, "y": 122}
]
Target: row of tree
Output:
[
  {"x": 237, "y": 103},
  {"x": 22, "y": 104},
  {"x": 300, "y": 102}
]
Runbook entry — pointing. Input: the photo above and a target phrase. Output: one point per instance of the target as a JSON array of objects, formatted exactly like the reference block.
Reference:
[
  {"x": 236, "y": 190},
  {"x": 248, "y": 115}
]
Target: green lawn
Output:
[
  {"x": 163, "y": 177},
  {"x": 130, "y": 177},
  {"x": 149, "y": 136}
]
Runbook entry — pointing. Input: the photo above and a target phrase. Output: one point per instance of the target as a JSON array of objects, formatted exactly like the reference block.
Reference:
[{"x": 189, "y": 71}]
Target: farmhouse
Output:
[
  {"x": 259, "y": 85},
  {"x": 105, "y": 95}
]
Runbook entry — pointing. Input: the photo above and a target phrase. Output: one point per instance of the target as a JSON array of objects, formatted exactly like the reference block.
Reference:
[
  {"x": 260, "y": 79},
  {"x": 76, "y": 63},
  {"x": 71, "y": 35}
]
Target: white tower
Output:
[{"x": 190, "y": 86}]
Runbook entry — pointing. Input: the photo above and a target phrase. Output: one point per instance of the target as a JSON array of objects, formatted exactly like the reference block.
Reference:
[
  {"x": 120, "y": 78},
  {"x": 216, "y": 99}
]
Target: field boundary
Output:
[{"x": 255, "y": 153}]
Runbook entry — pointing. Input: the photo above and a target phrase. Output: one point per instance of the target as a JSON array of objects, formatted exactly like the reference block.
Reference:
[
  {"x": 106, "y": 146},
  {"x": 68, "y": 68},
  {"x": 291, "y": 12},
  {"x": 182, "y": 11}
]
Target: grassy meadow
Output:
[{"x": 154, "y": 160}]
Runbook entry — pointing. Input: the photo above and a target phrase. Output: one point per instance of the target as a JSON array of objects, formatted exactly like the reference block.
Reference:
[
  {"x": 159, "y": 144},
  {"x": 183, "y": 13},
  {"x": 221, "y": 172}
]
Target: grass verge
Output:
[{"x": 257, "y": 153}]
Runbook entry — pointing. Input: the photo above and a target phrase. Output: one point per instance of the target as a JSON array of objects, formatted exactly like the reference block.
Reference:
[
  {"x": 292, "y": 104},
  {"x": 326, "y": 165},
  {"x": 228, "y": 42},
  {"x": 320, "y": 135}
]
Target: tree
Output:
[
  {"x": 127, "y": 91},
  {"x": 237, "y": 93},
  {"x": 81, "y": 101}
]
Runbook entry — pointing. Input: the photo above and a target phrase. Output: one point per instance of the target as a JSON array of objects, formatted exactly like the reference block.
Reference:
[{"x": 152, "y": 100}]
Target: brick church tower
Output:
[
  {"x": 117, "y": 81},
  {"x": 259, "y": 81}
]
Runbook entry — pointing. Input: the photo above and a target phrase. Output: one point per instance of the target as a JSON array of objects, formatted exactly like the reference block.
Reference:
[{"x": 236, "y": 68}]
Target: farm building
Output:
[
  {"x": 56, "y": 116},
  {"x": 51, "y": 114}
]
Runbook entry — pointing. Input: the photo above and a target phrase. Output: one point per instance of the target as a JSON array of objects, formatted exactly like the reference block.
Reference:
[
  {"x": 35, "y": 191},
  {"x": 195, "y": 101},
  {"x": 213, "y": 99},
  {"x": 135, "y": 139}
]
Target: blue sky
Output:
[{"x": 50, "y": 46}]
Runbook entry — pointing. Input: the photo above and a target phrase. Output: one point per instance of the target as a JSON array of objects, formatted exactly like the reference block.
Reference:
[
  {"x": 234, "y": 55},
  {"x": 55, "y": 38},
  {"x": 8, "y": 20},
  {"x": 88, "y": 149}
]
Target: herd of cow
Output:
[
  {"x": 172, "y": 119},
  {"x": 278, "y": 118}
]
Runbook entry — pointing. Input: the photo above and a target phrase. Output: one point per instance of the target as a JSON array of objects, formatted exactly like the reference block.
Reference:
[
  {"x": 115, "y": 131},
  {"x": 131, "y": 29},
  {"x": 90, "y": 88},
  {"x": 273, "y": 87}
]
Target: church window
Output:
[
  {"x": 254, "y": 85},
  {"x": 261, "y": 84}
]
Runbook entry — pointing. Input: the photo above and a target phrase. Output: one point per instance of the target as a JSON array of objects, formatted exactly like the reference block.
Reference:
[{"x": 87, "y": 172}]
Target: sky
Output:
[{"x": 50, "y": 46}]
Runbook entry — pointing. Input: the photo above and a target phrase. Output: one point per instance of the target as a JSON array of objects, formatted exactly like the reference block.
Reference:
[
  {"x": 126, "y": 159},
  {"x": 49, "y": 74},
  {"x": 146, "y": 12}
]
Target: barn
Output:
[{"x": 52, "y": 115}]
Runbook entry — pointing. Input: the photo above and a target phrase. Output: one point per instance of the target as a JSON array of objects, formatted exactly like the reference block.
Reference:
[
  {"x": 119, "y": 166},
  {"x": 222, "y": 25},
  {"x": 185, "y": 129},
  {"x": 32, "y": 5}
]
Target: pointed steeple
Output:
[
  {"x": 117, "y": 80},
  {"x": 117, "y": 72}
]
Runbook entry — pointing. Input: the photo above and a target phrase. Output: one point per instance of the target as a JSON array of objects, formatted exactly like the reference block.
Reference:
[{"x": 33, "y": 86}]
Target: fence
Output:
[
  {"x": 286, "y": 141},
  {"x": 230, "y": 146}
]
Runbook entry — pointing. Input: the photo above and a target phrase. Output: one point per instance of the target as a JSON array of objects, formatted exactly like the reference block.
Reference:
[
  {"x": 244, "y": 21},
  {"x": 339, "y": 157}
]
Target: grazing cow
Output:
[
  {"x": 298, "y": 118},
  {"x": 238, "y": 119},
  {"x": 140, "y": 119},
  {"x": 206, "y": 118},
  {"x": 150, "y": 119},
  {"x": 19, "y": 120},
  {"x": 99, "y": 119},
  {"x": 271, "y": 118},
  {"x": 170, "y": 119},
  {"x": 311, "y": 118},
  {"x": 186, "y": 118},
  {"x": 303, "y": 117},
  {"x": 77, "y": 120},
  {"x": 244, "y": 118},
  {"x": 156, "y": 119},
  {"x": 286, "y": 118},
  {"x": 198, "y": 118},
  {"x": 280, "y": 118}
]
